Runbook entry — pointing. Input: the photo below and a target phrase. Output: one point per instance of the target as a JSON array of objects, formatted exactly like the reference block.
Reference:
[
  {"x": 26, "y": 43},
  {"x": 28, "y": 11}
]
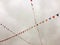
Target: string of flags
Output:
[
  {"x": 26, "y": 30},
  {"x": 15, "y": 33}
]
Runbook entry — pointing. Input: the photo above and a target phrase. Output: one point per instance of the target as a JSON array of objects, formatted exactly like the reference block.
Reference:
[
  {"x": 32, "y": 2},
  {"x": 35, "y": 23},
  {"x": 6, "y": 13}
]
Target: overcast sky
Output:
[{"x": 17, "y": 15}]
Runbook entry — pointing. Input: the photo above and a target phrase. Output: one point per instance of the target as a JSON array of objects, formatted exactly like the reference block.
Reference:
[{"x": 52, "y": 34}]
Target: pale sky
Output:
[{"x": 17, "y": 15}]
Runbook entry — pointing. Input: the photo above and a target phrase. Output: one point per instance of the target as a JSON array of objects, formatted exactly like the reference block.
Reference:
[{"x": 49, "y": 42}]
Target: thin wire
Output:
[
  {"x": 15, "y": 33},
  {"x": 36, "y": 23},
  {"x": 38, "y": 30}
]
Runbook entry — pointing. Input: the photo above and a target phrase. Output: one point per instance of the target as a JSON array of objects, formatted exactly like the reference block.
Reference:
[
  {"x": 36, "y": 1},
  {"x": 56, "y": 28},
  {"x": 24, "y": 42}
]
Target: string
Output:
[
  {"x": 15, "y": 33},
  {"x": 36, "y": 22},
  {"x": 46, "y": 20}
]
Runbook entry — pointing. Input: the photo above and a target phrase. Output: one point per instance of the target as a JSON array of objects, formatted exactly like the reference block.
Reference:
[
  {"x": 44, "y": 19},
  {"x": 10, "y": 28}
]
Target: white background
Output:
[{"x": 17, "y": 15}]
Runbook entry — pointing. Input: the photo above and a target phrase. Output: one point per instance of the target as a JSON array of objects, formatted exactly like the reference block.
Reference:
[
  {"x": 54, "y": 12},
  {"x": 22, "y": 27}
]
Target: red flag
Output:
[
  {"x": 30, "y": 0},
  {"x": 53, "y": 16}
]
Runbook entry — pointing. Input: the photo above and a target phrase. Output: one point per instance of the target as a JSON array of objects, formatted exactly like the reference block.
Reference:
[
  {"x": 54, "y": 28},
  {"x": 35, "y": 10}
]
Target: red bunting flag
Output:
[
  {"x": 30, "y": 0},
  {"x": 53, "y": 16}
]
